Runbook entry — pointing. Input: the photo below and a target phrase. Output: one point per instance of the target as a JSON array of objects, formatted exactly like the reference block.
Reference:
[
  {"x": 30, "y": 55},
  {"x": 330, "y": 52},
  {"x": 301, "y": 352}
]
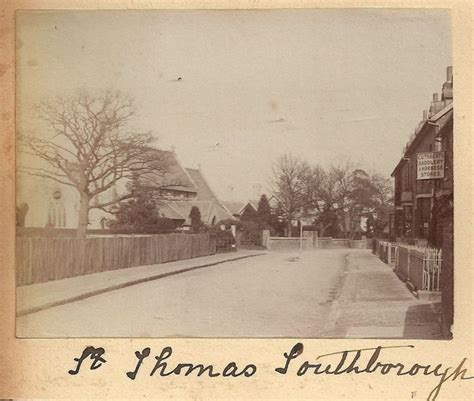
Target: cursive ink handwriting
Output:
[
  {"x": 95, "y": 354},
  {"x": 354, "y": 361},
  {"x": 230, "y": 370},
  {"x": 349, "y": 361}
]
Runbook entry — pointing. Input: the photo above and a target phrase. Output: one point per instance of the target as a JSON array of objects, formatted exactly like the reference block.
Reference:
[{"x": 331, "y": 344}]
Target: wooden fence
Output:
[{"x": 44, "y": 259}]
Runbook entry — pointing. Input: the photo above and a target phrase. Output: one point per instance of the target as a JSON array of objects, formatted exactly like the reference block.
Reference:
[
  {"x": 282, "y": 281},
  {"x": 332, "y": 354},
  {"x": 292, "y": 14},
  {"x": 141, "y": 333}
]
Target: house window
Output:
[
  {"x": 56, "y": 215},
  {"x": 406, "y": 178}
]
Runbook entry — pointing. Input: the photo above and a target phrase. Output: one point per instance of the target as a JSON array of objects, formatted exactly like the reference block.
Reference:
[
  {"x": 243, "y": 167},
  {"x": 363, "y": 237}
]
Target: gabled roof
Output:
[
  {"x": 208, "y": 210},
  {"x": 237, "y": 208},
  {"x": 422, "y": 131},
  {"x": 246, "y": 205},
  {"x": 167, "y": 210},
  {"x": 206, "y": 200},
  {"x": 184, "y": 209},
  {"x": 204, "y": 191},
  {"x": 234, "y": 207},
  {"x": 168, "y": 173}
]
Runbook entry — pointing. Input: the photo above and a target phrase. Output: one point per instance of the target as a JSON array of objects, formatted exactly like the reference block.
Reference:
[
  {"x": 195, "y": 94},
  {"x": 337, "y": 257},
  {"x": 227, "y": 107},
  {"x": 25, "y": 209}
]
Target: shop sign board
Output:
[{"x": 430, "y": 165}]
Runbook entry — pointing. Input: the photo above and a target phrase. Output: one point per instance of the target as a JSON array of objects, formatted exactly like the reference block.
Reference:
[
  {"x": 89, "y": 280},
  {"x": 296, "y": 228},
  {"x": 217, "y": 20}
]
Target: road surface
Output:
[{"x": 275, "y": 295}]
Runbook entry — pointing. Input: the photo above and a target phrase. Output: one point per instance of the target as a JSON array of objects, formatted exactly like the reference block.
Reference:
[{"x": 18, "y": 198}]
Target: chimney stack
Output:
[
  {"x": 425, "y": 115},
  {"x": 435, "y": 97},
  {"x": 447, "y": 95},
  {"x": 449, "y": 74}
]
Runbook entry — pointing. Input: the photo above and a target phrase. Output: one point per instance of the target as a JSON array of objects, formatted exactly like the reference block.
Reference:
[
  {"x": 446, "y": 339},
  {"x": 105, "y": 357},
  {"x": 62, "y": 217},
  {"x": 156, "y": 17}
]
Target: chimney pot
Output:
[
  {"x": 449, "y": 74},
  {"x": 425, "y": 115},
  {"x": 435, "y": 97}
]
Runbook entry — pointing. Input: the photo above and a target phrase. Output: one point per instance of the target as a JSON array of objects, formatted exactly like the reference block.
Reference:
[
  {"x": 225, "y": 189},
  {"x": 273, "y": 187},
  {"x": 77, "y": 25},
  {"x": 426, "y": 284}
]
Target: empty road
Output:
[{"x": 275, "y": 295}]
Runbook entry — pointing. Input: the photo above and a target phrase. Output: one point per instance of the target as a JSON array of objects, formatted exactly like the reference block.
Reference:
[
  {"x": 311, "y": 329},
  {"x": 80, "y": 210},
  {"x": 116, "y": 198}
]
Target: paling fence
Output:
[
  {"x": 421, "y": 266},
  {"x": 41, "y": 259}
]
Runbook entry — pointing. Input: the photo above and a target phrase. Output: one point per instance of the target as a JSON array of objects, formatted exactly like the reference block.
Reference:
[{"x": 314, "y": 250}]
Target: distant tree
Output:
[
  {"x": 196, "y": 222},
  {"x": 21, "y": 212},
  {"x": 89, "y": 145},
  {"x": 335, "y": 198},
  {"x": 140, "y": 213},
  {"x": 264, "y": 211},
  {"x": 288, "y": 187},
  {"x": 382, "y": 204}
]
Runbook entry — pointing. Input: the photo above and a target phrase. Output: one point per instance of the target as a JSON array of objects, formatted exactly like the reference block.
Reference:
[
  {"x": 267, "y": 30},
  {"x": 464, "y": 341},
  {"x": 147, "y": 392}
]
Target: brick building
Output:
[
  {"x": 424, "y": 191},
  {"x": 424, "y": 176}
]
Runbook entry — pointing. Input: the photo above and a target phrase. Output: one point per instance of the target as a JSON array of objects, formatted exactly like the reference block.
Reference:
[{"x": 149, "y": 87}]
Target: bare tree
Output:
[
  {"x": 335, "y": 198},
  {"x": 90, "y": 147},
  {"x": 327, "y": 194},
  {"x": 288, "y": 187}
]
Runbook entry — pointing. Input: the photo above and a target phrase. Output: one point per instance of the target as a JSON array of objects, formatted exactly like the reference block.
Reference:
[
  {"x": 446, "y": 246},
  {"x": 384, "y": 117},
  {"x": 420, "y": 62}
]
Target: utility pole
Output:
[{"x": 301, "y": 235}]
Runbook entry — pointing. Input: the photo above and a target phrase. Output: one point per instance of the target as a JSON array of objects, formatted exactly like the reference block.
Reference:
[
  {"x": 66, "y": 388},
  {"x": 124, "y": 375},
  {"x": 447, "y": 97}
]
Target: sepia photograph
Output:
[{"x": 282, "y": 173}]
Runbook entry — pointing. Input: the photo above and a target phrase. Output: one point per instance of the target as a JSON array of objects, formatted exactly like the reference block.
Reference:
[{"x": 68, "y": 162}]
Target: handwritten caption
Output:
[{"x": 356, "y": 361}]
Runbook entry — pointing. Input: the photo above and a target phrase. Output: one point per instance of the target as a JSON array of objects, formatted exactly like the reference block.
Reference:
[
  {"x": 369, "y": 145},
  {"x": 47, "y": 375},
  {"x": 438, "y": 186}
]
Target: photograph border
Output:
[{"x": 33, "y": 368}]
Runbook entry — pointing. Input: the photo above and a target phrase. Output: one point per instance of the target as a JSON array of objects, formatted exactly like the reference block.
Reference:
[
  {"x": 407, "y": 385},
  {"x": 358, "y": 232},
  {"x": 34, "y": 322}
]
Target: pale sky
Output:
[{"x": 322, "y": 84}]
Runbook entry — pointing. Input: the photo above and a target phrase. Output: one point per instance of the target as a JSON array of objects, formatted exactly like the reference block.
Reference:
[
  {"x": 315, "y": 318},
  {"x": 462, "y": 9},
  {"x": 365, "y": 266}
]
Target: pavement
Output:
[
  {"x": 36, "y": 297},
  {"x": 343, "y": 293},
  {"x": 374, "y": 303},
  {"x": 279, "y": 294}
]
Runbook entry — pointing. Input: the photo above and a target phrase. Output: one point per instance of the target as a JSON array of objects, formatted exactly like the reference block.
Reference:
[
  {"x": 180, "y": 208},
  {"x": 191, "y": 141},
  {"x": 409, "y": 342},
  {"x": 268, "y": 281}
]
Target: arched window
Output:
[
  {"x": 56, "y": 210},
  {"x": 103, "y": 223}
]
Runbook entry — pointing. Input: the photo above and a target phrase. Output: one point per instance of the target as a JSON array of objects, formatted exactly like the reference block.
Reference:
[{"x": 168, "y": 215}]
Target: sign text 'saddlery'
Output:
[{"x": 430, "y": 165}]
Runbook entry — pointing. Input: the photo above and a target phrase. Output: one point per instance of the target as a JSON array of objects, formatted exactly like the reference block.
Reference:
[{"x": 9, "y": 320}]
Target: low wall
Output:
[
  {"x": 308, "y": 242},
  {"x": 288, "y": 243},
  {"x": 335, "y": 243}
]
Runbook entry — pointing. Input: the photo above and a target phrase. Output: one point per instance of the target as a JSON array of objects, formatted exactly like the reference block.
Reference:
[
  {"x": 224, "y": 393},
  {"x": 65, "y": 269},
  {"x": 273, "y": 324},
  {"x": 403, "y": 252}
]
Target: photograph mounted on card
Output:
[{"x": 234, "y": 174}]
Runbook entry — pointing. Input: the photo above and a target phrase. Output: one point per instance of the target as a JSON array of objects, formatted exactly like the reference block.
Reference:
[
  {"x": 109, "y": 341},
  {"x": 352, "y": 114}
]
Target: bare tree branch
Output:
[{"x": 89, "y": 146}]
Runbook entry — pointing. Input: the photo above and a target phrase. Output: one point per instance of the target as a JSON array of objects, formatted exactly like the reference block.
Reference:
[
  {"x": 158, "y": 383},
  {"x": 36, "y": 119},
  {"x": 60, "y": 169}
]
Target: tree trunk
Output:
[
  {"x": 83, "y": 215},
  {"x": 289, "y": 228},
  {"x": 323, "y": 229}
]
